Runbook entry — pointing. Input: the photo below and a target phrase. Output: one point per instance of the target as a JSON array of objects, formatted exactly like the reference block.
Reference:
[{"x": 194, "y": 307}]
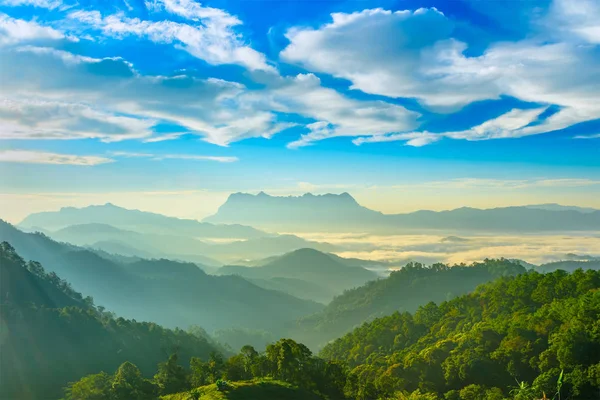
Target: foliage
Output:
[
  {"x": 51, "y": 337},
  {"x": 404, "y": 291},
  {"x": 540, "y": 330}
]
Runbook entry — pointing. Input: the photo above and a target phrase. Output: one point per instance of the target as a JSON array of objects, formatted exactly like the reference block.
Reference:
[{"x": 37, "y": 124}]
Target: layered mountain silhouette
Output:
[
  {"x": 341, "y": 213},
  {"x": 305, "y": 273},
  {"x": 171, "y": 293},
  {"x": 135, "y": 220},
  {"x": 135, "y": 233}
]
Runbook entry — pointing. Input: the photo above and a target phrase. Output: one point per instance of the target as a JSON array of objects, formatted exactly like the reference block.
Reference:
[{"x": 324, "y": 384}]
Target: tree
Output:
[
  {"x": 128, "y": 384},
  {"x": 171, "y": 377},
  {"x": 91, "y": 387}
]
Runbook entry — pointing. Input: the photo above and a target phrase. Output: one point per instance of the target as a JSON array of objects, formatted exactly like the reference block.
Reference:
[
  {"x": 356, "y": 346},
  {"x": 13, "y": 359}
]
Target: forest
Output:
[{"x": 524, "y": 335}]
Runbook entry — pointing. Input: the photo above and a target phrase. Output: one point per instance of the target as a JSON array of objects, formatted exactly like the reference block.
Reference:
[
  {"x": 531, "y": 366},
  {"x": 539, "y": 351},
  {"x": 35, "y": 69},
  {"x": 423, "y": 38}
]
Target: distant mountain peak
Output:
[{"x": 308, "y": 195}]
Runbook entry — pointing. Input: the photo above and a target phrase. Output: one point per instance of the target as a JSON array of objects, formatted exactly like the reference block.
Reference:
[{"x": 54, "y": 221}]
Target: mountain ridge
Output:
[{"x": 339, "y": 213}]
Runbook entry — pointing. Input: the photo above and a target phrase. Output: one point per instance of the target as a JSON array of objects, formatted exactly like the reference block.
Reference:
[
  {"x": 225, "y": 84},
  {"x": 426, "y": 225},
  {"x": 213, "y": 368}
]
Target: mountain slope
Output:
[
  {"x": 135, "y": 220},
  {"x": 307, "y": 265},
  {"x": 51, "y": 337},
  {"x": 174, "y": 299},
  {"x": 341, "y": 213},
  {"x": 22, "y": 284},
  {"x": 531, "y": 328},
  {"x": 404, "y": 290}
]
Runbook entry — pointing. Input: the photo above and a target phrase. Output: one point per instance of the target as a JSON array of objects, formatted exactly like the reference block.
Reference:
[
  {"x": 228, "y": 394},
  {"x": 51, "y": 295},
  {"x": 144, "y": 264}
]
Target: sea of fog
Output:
[{"x": 458, "y": 247}]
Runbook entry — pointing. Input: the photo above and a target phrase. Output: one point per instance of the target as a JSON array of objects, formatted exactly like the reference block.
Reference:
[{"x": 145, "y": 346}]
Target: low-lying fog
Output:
[{"x": 462, "y": 247}]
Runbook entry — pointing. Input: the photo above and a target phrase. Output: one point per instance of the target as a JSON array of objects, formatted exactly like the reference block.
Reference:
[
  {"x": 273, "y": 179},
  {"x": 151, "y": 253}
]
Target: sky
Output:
[{"x": 171, "y": 105}]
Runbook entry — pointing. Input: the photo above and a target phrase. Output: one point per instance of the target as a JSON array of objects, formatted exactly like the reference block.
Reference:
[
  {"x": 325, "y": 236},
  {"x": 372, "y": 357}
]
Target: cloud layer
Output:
[
  {"x": 66, "y": 78},
  {"x": 41, "y": 157}
]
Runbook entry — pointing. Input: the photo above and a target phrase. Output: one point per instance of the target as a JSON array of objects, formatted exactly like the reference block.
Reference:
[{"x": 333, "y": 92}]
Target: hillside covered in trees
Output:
[
  {"x": 404, "y": 290},
  {"x": 517, "y": 337},
  {"x": 51, "y": 334},
  {"x": 532, "y": 336}
]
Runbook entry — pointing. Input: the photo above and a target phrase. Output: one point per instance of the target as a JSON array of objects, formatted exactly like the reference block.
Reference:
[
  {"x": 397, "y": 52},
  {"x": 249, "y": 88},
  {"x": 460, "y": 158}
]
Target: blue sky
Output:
[{"x": 169, "y": 105}]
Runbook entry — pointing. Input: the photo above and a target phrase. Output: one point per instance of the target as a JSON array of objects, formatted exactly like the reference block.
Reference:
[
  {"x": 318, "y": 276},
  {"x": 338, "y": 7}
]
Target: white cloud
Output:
[
  {"x": 37, "y": 119},
  {"x": 40, "y": 157},
  {"x": 17, "y": 30},
  {"x": 576, "y": 17},
  {"x": 196, "y": 157},
  {"x": 158, "y": 157},
  {"x": 209, "y": 108},
  {"x": 194, "y": 11},
  {"x": 415, "y": 139},
  {"x": 511, "y": 124},
  {"x": 390, "y": 53},
  {"x": 165, "y": 137},
  {"x": 408, "y": 54},
  {"x": 595, "y": 136},
  {"x": 49, "y": 4},
  {"x": 211, "y": 37},
  {"x": 336, "y": 115}
]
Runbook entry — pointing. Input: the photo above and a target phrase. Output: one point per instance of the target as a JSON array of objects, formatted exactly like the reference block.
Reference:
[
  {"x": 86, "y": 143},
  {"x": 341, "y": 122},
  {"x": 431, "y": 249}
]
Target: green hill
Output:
[
  {"x": 516, "y": 337},
  {"x": 248, "y": 390},
  {"x": 51, "y": 335},
  {"x": 404, "y": 290}
]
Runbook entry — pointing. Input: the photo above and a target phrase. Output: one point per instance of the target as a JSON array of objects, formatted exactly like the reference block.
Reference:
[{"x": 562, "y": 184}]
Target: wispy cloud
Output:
[
  {"x": 415, "y": 139},
  {"x": 41, "y": 157},
  {"x": 39, "y": 119},
  {"x": 474, "y": 183},
  {"x": 159, "y": 157},
  {"x": 594, "y": 136},
  {"x": 210, "y": 37},
  {"x": 165, "y": 137},
  {"x": 49, "y": 4}
]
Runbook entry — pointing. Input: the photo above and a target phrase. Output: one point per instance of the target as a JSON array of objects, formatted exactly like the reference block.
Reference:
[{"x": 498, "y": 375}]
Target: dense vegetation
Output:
[
  {"x": 52, "y": 335},
  {"x": 404, "y": 290},
  {"x": 286, "y": 370},
  {"x": 532, "y": 329},
  {"x": 427, "y": 332},
  {"x": 528, "y": 337}
]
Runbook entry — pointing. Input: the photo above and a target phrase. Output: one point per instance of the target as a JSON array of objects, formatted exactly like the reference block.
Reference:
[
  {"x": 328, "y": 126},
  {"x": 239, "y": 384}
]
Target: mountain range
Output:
[
  {"x": 135, "y": 233},
  {"x": 342, "y": 213},
  {"x": 305, "y": 273},
  {"x": 171, "y": 293},
  {"x": 135, "y": 220}
]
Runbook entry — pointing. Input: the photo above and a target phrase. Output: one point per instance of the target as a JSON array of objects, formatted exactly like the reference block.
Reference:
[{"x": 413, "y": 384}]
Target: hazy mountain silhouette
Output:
[
  {"x": 319, "y": 270},
  {"x": 162, "y": 291},
  {"x": 152, "y": 245},
  {"x": 136, "y": 220},
  {"x": 328, "y": 212},
  {"x": 558, "y": 207},
  {"x": 568, "y": 266},
  {"x": 341, "y": 213}
]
